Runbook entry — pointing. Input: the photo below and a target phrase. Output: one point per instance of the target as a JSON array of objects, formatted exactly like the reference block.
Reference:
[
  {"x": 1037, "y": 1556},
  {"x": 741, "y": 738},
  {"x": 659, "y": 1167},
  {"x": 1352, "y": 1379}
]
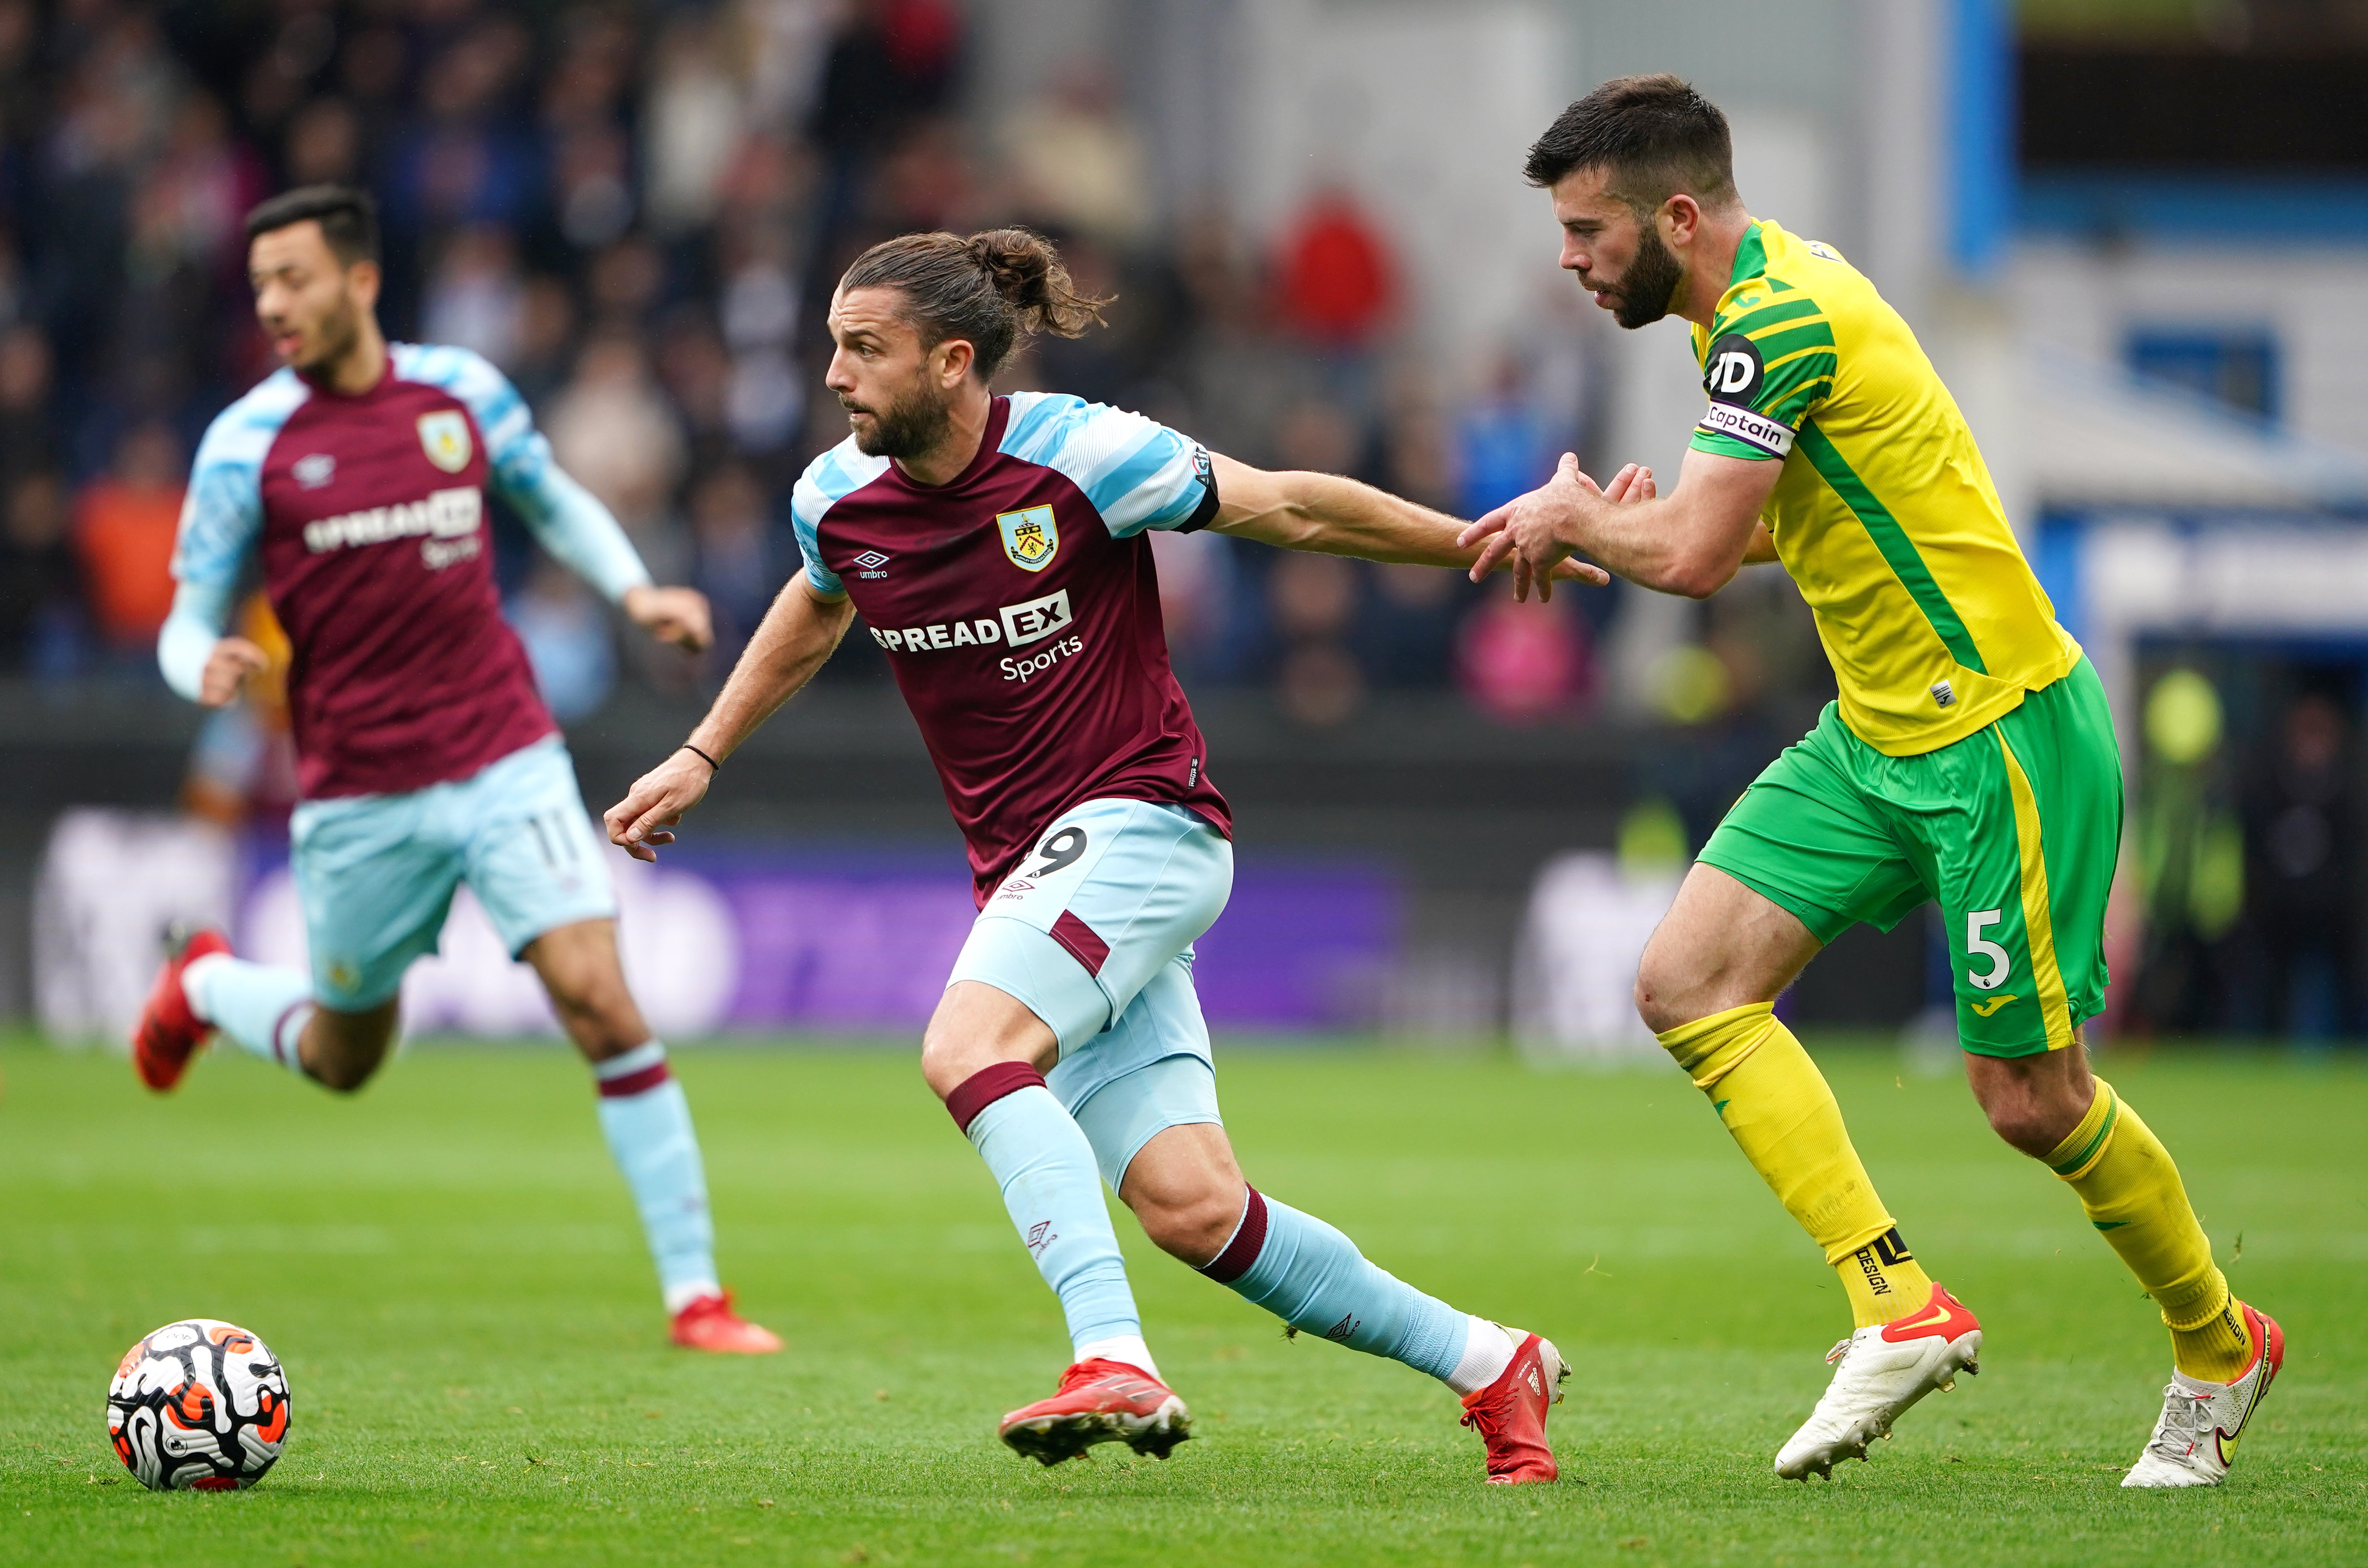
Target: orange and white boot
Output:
[{"x": 1879, "y": 1371}]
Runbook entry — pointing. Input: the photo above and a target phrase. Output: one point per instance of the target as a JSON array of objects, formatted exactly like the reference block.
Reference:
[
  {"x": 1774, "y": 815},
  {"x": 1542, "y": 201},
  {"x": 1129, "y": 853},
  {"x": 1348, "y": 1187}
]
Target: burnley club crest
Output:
[
  {"x": 444, "y": 436},
  {"x": 1030, "y": 538}
]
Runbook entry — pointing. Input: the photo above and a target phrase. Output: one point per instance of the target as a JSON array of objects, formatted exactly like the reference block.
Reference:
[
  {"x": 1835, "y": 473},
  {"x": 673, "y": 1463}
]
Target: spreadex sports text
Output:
[{"x": 1013, "y": 626}]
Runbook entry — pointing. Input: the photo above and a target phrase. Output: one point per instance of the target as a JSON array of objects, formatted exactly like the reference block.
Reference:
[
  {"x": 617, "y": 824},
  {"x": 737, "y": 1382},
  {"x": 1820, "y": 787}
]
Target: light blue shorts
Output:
[
  {"x": 1094, "y": 935},
  {"x": 376, "y": 873}
]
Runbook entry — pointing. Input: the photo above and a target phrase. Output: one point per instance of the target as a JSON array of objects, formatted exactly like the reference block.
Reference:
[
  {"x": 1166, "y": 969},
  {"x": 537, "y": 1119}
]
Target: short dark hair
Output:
[
  {"x": 1656, "y": 134},
  {"x": 348, "y": 216},
  {"x": 992, "y": 289}
]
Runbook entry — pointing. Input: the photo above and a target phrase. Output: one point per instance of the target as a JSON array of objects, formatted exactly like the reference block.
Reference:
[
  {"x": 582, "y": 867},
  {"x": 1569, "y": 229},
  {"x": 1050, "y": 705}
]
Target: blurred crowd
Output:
[
  {"x": 637, "y": 210},
  {"x": 2247, "y": 842}
]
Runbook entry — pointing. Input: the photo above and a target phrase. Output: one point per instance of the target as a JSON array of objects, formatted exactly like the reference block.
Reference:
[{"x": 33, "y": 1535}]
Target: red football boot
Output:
[
  {"x": 1100, "y": 1402},
  {"x": 169, "y": 1032},
  {"x": 710, "y": 1323},
  {"x": 1511, "y": 1414}
]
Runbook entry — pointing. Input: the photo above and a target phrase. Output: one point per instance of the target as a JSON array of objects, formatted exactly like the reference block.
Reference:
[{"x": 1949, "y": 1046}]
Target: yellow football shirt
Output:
[{"x": 1884, "y": 513}]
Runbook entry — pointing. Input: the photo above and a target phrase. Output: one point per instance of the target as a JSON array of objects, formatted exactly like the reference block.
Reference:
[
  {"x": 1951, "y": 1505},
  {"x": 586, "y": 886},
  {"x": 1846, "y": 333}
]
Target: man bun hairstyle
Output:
[
  {"x": 993, "y": 288},
  {"x": 348, "y": 216},
  {"x": 1656, "y": 134}
]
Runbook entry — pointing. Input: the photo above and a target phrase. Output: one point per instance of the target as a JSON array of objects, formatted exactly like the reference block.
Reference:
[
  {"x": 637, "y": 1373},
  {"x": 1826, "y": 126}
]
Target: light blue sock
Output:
[
  {"x": 647, "y": 1121},
  {"x": 262, "y": 1007},
  {"x": 1314, "y": 1278},
  {"x": 1053, "y": 1192}
]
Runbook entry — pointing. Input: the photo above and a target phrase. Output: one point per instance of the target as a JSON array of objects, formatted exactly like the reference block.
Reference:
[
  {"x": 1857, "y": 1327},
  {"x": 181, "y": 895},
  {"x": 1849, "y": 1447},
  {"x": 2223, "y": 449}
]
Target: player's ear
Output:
[
  {"x": 956, "y": 355},
  {"x": 362, "y": 280},
  {"x": 1679, "y": 216}
]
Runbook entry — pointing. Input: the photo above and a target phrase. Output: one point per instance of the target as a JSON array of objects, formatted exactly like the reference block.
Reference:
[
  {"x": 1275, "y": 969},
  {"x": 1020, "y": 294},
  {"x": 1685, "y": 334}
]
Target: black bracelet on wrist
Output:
[{"x": 713, "y": 766}]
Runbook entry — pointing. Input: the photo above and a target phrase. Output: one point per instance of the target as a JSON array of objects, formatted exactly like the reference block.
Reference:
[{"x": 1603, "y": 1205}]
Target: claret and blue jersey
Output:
[
  {"x": 424, "y": 751},
  {"x": 1019, "y": 610},
  {"x": 368, "y": 512}
]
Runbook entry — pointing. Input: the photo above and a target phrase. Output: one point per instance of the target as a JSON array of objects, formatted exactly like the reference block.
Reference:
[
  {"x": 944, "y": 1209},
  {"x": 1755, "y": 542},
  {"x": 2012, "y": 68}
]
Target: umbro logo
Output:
[
  {"x": 1340, "y": 1332},
  {"x": 870, "y": 558},
  {"x": 315, "y": 469},
  {"x": 1040, "y": 1235}
]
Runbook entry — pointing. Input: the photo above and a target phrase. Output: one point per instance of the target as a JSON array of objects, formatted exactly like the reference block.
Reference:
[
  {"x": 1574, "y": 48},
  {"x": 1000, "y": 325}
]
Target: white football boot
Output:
[
  {"x": 1878, "y": 1372},
  {"x": 2195, "y": 1440}
]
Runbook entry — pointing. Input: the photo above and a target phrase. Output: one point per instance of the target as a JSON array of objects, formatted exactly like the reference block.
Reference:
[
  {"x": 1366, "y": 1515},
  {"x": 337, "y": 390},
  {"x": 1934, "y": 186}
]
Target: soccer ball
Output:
[{"x": 199, "y": 1405}]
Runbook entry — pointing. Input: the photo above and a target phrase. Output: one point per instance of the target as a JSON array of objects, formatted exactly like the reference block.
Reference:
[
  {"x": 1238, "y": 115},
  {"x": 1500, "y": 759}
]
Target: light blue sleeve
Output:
[
  {"x": 201, "y": 615},
  {"x": 222, "y": 518},
  {"x": 829, "y": 478},
  {"x": 221, "y": 513},
  {"x": 1136, "y": 471},
  {"x": 565, "y": 518}
]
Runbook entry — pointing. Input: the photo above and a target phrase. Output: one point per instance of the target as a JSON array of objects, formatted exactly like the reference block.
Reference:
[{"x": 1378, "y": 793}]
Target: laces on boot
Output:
[
  {"x": 2183, "y": 1424},
  {"x": 1841, "y": 1348}
]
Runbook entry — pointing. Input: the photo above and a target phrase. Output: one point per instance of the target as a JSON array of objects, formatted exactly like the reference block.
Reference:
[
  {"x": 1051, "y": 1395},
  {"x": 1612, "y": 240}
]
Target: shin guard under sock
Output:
[
  {"x": 261, "y": 1007},
  {"x": 1312, "y": 1277},
  {"x": 1777, "y": 1105},
  {"x": 1053, "y": 1190},
  {"x": 2132, "y": 1193},
  {"x": 646, "y": 1120}
]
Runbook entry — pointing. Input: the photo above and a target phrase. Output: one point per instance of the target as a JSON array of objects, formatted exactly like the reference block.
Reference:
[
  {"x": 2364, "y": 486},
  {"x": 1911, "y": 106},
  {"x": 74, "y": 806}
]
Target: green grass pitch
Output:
[{"x": 449, "y": 1269}]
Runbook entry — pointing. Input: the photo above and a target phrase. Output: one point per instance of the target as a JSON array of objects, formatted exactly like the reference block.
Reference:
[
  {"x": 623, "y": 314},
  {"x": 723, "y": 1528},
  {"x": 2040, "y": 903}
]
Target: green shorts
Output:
[{"x": 2015, "y": 829}]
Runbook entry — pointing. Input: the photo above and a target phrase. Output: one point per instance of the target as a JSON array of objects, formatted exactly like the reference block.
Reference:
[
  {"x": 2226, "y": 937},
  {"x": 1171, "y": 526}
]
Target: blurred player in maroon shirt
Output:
[
  {"x": 995, "y": 548},
  {"x": 357, "y": 474}
]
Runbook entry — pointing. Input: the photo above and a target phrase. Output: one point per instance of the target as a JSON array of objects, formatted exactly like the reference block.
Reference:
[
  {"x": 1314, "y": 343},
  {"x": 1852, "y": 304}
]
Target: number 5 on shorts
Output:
[{"x": 2001, "y": 964}]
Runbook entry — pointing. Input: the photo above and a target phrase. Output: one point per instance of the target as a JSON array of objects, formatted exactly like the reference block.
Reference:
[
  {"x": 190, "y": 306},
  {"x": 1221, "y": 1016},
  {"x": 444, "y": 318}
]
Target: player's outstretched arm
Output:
[
  {"x": 567, "y": 519},
  {"x": 198, "y": 660},
  {"x": 584, "y": 536},
  {"x": 1332, "y": 516},
  {"x": 1690, "y": 542},
  {"x": 795, "y": 639},
  {"x": 679, "y": 616}
]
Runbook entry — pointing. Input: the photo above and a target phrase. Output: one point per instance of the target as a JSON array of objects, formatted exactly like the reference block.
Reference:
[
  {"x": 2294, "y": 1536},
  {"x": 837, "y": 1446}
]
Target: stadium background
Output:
[{"x": 2132, "y": 234}]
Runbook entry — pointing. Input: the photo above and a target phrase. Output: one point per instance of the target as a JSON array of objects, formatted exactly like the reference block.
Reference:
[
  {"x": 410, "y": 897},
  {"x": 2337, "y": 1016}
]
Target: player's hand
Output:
[
  {"x": 1633, "y": 482},
  {"x": 1526, "y": 532},
  {"x": 642, "y": 821},
  {"x": 227, "y": 667},
  {"x": 671, "y": 615}
]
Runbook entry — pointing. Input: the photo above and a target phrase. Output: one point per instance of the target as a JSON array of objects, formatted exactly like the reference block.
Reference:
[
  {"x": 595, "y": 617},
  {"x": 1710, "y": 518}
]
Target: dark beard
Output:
[
  {"x": 339, "y": 334},
  {"x": 906, "y": 428},
  {"x": 1649, "y": 284}
]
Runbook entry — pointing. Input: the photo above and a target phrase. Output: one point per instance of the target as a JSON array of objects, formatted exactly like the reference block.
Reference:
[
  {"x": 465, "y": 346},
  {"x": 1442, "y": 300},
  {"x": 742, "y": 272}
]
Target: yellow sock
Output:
[
  {"x": 2132, "y": 1193},
  {"x": 1776, "y": 1104}
]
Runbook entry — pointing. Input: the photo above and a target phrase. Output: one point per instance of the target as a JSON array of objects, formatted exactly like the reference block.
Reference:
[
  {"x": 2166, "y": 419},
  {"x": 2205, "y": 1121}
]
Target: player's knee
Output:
[
  {"x": 1193, "y": 1227},
  {"x": 604, "y": 1023},
  {"x": 945, "y": 1061},
  {"x": 341, "y": 1051},
  {"x": 1660, "y": 999},
  {"x": 342, "y": 1072},
  {"x": 2026, "y": 1123},
  {"x": 2033, "y": 1103}
]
